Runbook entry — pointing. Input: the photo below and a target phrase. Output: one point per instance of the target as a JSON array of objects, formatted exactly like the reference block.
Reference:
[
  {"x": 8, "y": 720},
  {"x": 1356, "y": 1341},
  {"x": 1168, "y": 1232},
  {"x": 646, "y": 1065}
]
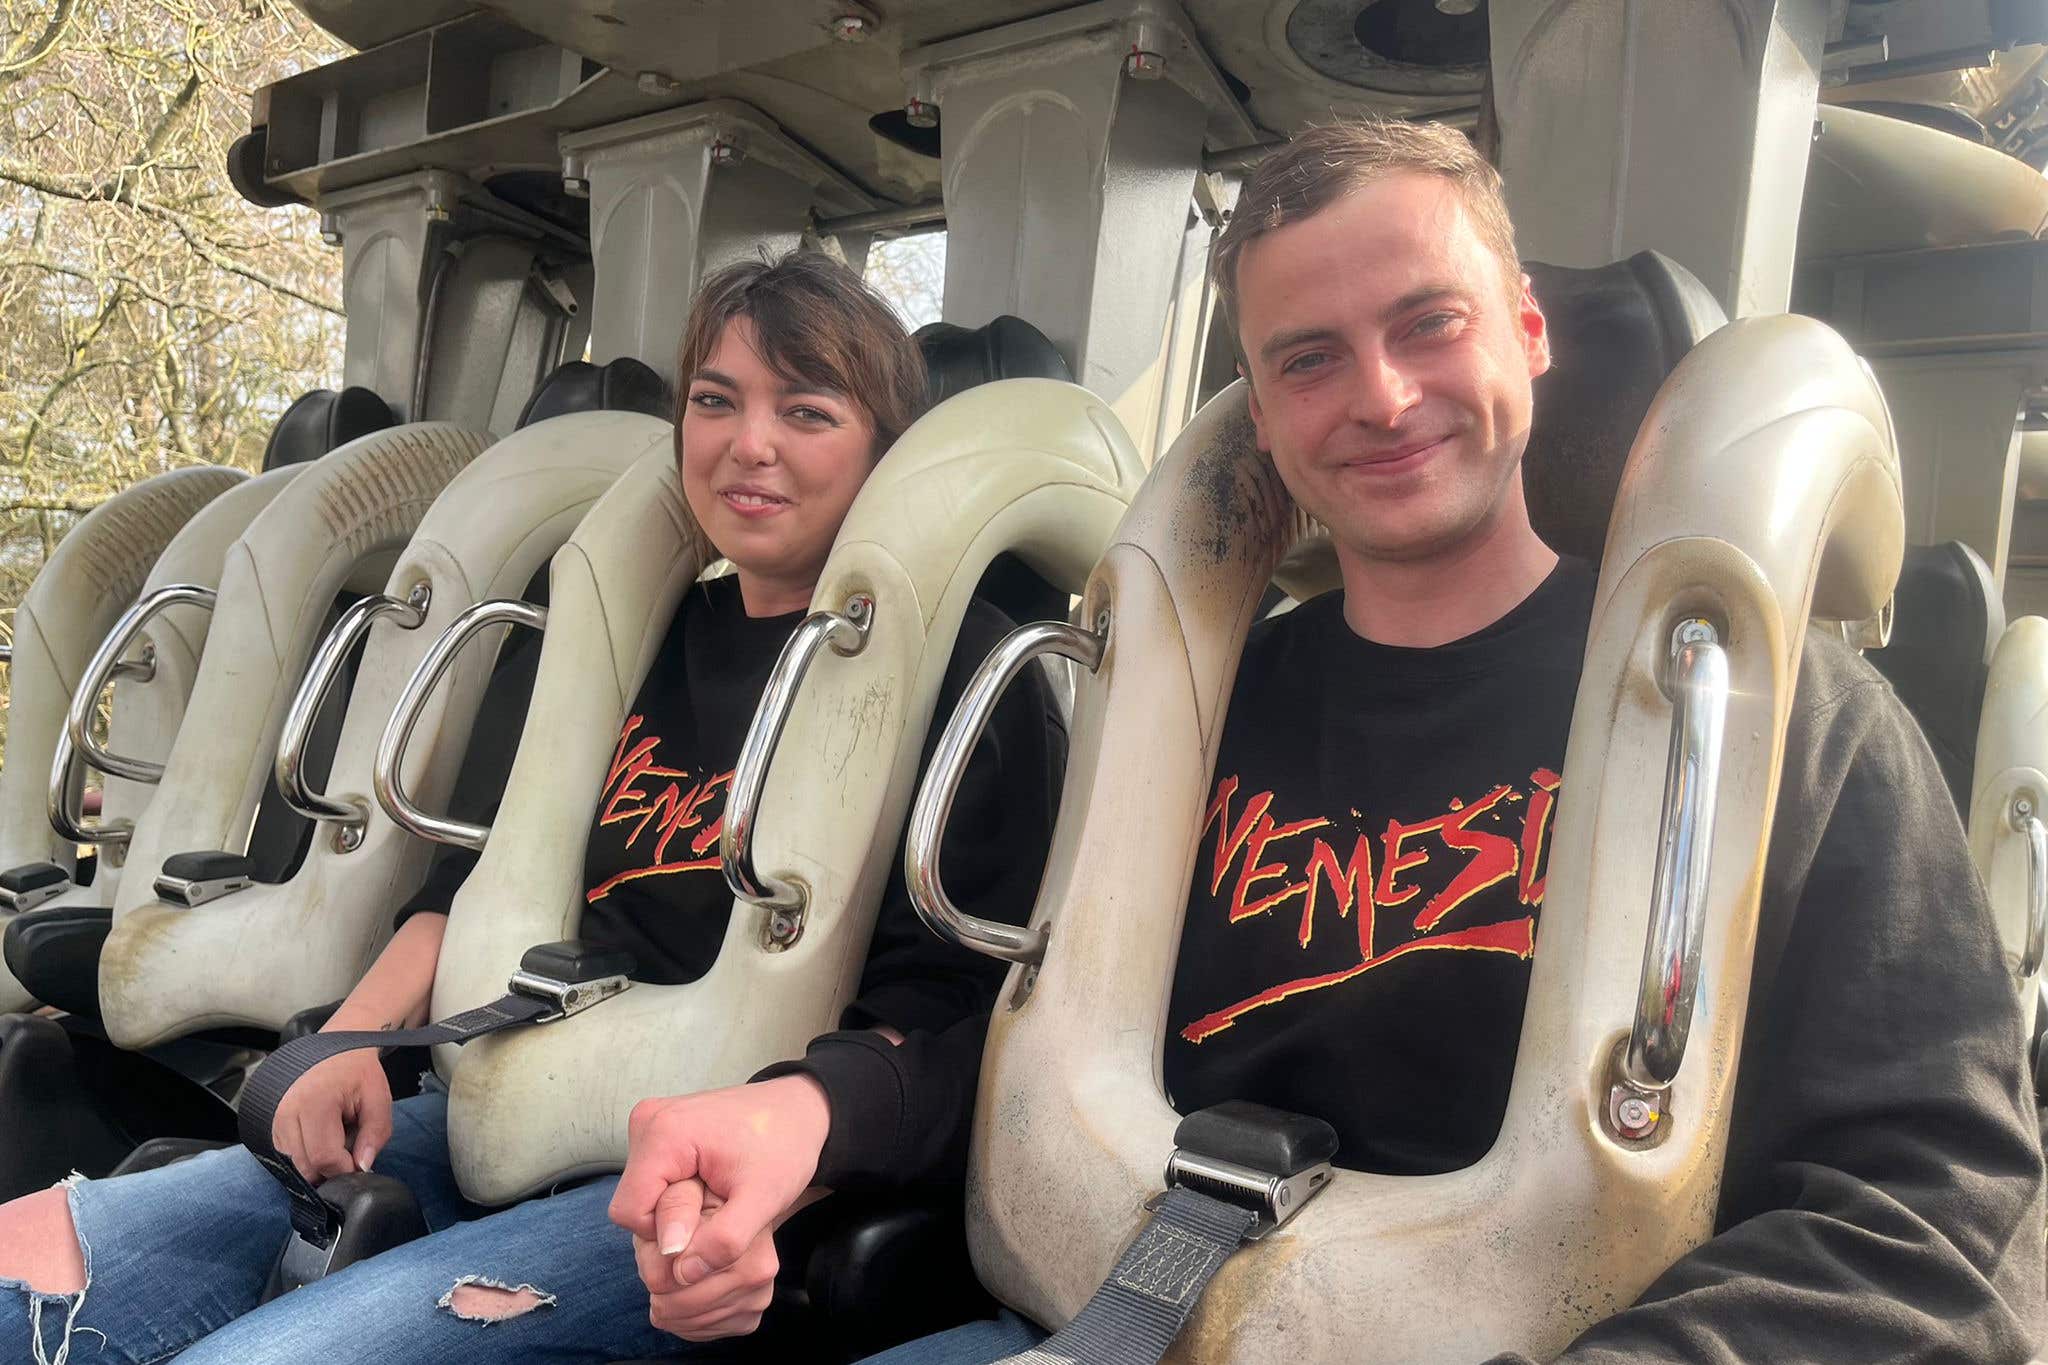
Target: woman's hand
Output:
[
  {"x": 337, "y": 1117},
  {"x": 708, "y": 1179}
]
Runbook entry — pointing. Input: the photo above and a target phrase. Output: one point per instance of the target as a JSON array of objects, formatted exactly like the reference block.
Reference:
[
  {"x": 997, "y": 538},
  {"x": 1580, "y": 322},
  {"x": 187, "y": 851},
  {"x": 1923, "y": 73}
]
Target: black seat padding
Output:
[
  {"x": 1947, "y": 618},
  {"x": 1616, "y": 333},
  {"x": 319, "y": 421},
  {"x": 625, "y": 385},
  {"x": 958, "y": 358},
  {"x": 54, "y": 953}
]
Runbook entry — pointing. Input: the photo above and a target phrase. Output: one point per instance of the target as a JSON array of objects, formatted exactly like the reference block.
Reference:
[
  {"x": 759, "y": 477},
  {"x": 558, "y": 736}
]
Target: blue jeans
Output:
[
  {"x": 977, "y": 1343},
  {"x": 176, "y": 1259}
]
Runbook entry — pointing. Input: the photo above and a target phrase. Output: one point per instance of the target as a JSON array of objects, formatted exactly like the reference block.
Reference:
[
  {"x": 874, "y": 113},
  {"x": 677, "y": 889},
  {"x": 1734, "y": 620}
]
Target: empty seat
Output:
[{"x": 1946, "y": 621}]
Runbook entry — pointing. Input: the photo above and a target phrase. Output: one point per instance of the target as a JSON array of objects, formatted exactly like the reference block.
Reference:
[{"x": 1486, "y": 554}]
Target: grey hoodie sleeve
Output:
[{"x": 1883, "y": 1190}]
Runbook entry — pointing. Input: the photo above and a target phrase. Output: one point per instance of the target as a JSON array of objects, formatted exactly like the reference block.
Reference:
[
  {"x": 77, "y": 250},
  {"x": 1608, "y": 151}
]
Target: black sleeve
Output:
[
  {"x": 1883, "y": 1191},
  {"x": 901, "y": 1114}
]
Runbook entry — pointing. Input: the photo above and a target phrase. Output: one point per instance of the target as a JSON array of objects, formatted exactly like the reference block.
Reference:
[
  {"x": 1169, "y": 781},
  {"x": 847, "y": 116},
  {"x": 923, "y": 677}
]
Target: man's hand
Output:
[
  {"x": 708, "y": 1178},
  {"x": 336, "y": 1118}
]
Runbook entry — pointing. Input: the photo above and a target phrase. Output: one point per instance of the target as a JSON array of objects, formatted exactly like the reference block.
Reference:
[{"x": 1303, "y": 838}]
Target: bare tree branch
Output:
[{"x": 18, "y": 62}]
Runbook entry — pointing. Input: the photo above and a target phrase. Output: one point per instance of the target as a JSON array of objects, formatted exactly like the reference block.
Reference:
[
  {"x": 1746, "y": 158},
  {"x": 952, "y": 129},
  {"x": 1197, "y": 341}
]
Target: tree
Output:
[{"x": 154, "y": 318}]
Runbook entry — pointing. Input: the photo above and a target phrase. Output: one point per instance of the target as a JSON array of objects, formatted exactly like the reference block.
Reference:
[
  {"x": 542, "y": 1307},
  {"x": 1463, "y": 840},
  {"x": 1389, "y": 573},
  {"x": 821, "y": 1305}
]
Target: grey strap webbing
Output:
[{"x": 1140, "y": 1308}]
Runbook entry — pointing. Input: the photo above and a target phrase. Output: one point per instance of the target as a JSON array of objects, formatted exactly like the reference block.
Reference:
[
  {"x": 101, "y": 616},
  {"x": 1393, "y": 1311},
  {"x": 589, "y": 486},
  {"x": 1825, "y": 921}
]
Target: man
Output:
[{"x": 1882, "y": 1195}]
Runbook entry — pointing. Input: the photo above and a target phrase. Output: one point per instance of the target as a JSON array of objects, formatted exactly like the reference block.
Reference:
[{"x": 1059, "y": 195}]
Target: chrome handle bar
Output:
[
  {"x": 934, "y": 805},
  {"x": 2026, "y": 822},
  {"x": 106, "y": 665},
  {"x": 353, "y": 812},
  {"x": 846, "y": 631},
  {"x": 1698, "y": 688},
  {"x": 385, "y": 775},
  {"x": 70, "y": 824}
]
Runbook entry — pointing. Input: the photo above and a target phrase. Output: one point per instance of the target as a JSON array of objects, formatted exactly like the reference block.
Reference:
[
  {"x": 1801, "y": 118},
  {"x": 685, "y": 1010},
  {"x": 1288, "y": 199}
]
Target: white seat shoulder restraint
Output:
[
  {"x": 145, "y": 715},
  {"x": 2009, "y": 800},
  {"x": 1763, "y": 487},
  {"x": 338, "y": 524},
  {"x": 263, "y": 953},
  {"x": 91, "y": 577},
  {"x": 1032, "y": 467}
]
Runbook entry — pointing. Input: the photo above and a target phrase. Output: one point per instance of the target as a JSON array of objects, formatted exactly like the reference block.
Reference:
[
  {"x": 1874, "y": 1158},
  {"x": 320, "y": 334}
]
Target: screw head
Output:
[
  {"x": 726, "y": 154},
  {"x": 782, "y": 927},
  {"x": 576, "y": 186},
  {"x": 1695, "y": 632},
  {"x": 918, "y": 114},
  {"x": 1144, "y": 66},
  {"x": 850, "y": 28},
  {"x": 348, "y": 838}
]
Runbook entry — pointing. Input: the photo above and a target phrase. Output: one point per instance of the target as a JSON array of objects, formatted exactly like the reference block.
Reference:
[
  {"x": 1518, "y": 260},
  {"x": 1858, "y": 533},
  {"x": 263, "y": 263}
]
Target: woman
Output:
[{"x": 796, "y": 379}]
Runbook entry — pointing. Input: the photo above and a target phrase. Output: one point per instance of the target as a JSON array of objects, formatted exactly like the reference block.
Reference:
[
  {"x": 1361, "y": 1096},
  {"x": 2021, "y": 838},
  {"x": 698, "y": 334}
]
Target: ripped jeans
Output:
[{"x": 177, "y": 1257}]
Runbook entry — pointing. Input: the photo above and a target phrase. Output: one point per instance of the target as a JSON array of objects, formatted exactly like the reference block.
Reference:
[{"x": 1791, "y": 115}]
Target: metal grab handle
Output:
[
  {"x": 351, "y": 813},
  {"x": 106, "y": 665},
  {"x": 1698, "y": 688},
  {"x": 385, "y": 775},
  {"x": 2029, "y": 824},
  {"x": 934, "y": 804},
  {"x": 70, "y": 824},
  {"x": 846, "y": 631}
]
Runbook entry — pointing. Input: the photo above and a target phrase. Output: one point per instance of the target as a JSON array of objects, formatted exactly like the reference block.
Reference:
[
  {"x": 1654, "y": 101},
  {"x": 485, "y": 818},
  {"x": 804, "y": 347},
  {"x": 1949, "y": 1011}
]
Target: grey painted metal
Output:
[
  {"x": 895, "y": 218},
  {"x": 338, "y": 644},
  {"x": 391, "y": 231},
  {"x": 934, "y": 804},
  {"x": 676, "y": 194},
  {"x": 387, "y": 774},
  {"x": 1698, "y": 687},
  {"x": 846, "y": 632},
  {"x": 1068, "y": 191},
  {"x": 1631, "y": 124},
  {"x": 2029, "y": 824},
  {"x": 106, "y": 665}
]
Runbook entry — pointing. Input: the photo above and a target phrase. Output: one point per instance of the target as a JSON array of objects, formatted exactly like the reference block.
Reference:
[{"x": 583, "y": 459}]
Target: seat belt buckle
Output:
[
  {"x": 32, "y": 884},
  {"x": 193, "y": 879},
  {"x": 1253, "y": 1157},
  {"x": 571, "y": 976}
]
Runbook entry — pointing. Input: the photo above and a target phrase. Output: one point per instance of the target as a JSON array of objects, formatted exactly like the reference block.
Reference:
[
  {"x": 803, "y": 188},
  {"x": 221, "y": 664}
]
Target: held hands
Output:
[
  {"x": 708, "y": 1179},
  {"x": 336, "y": 1118}
]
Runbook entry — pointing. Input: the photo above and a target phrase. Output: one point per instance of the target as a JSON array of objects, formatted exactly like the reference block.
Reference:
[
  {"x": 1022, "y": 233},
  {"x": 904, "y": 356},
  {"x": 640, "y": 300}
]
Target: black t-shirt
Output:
[
  {"x": 651, "y": 876},
  {"x": 1369, "y": 875}
]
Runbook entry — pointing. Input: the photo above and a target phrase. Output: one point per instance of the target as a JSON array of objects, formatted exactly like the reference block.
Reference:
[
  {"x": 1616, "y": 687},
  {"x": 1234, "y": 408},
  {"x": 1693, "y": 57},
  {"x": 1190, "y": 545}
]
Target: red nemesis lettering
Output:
[
  {"x": 673, "y": 810},
  {"x": 1486, "y": 857}
]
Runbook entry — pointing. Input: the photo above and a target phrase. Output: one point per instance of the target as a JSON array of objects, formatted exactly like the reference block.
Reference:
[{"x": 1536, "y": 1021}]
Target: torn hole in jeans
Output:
[{"x": 493, "y": 1300}]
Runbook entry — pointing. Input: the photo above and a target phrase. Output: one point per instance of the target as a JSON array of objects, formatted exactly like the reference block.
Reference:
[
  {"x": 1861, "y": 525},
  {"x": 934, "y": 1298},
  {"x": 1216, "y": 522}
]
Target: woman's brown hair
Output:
[{"x": 817, "y": 322}]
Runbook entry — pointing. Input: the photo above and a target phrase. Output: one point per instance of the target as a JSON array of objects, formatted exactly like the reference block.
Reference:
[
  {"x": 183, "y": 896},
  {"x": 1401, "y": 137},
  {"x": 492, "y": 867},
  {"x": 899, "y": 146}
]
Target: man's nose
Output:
[{"x": 1384, "y": 392}]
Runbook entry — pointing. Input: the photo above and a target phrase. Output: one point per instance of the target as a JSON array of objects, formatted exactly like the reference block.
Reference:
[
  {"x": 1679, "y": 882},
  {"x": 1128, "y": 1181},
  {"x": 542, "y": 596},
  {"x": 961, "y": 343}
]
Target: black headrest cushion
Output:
[
  {"x": 321, "y": 421},
  {"x": 1946, "y": 620},
  {"x": 1616, "y": 332},
  {"x": 957, "y": 358},
  {"x": 624, "y": 385}
]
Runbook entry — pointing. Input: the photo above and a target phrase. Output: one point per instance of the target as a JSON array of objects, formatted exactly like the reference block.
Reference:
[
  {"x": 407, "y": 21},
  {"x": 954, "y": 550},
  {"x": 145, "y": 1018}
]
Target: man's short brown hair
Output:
[{"x": 1322, "y": 164}]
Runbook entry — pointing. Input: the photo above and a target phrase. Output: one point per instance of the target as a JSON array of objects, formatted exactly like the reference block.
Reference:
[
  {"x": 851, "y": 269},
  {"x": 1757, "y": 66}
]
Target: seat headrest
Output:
[
  {"x": 322, "y": 420},
  {"x": 957, "y": 358},
  {"x": 1946, "y": 620},
  {"x": 1616, "y": 332},
  {"x": 624, "y": 385}
]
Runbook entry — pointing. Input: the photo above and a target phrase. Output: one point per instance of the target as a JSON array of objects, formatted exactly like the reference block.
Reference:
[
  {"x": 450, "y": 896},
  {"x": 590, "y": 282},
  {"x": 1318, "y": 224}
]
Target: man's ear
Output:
[
  {"x": 1251, "y": 395},
  {"x": 1534, "y": 329}
]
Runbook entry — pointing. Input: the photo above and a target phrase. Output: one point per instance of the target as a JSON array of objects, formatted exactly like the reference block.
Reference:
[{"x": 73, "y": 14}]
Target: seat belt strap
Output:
[
  {"x": 554, "y": 981},
  {"x": 1237, "y": 1172},
  {"x": 1137, "y": 1312},
  {"x": 312, "y": 1219}
]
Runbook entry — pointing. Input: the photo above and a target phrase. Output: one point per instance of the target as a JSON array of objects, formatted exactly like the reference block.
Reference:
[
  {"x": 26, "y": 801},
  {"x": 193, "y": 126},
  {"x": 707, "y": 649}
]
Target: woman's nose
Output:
[{"x": 754, "y": 441}]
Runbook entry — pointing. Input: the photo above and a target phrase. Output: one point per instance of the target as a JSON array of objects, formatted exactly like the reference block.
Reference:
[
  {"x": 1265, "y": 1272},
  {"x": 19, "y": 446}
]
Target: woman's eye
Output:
[
  {"x": 813, "y": 416},
  {"x": 710, "y": 402}
]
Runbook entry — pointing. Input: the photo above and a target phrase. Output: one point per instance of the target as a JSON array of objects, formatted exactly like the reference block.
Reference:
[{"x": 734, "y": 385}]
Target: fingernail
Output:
[
  {"x": 673, "y": 1242},
  {"x": 369, "y": 1155},
  {"x": 692, "y": 1269}
]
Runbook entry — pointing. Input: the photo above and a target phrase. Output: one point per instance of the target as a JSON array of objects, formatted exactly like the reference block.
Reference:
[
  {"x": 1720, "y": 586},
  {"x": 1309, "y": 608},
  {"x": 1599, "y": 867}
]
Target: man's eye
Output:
[
  {"x": 710, "y": 402},
  {"x": 1306, "y": 361},
  {"x": 1433, "y": 324}
]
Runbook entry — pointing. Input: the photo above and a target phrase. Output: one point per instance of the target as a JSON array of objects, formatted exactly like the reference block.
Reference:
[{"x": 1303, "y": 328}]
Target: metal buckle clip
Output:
[
  {"x": 195, "y": 892},
  {"x": 567, "y": 997},
  {"x": 1274, "y": 1198}
]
